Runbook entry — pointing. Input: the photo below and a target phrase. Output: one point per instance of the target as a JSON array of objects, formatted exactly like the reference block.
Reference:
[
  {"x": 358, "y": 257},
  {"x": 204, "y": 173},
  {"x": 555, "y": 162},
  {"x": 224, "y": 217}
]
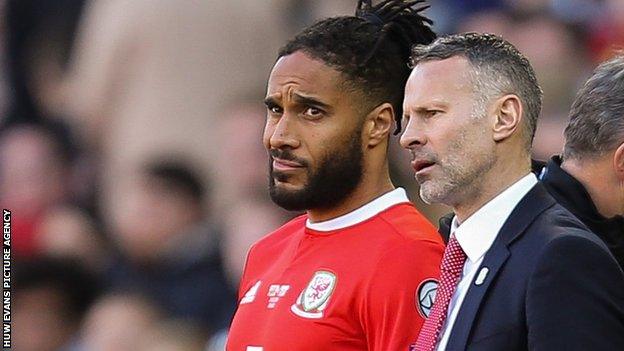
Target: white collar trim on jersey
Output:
[{"x": 361, "y": 214}]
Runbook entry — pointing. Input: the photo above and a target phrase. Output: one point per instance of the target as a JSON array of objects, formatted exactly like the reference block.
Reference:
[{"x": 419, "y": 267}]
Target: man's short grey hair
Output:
[
  {"x": 498, "y": 69},
  {"x": 597, "y": 116}
]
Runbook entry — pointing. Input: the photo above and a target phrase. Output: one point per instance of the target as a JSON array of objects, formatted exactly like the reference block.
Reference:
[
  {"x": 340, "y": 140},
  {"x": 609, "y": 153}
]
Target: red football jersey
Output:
[{"x": 363, "y": 281}]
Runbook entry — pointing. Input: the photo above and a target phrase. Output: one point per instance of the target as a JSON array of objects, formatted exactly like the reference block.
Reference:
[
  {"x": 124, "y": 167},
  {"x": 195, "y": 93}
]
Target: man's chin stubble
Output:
[{"x": 434, "y": 196}]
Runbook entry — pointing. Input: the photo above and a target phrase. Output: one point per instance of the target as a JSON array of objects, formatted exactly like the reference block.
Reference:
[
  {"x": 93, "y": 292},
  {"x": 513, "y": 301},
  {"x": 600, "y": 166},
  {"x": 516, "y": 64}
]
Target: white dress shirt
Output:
[{"x": 475, "y": 236}]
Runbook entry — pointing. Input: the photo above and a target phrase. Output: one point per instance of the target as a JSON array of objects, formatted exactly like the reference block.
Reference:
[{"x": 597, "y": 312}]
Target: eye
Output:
[
  {"x": 432, "y": 113},
  {"x": 312, "y": 112},
  {"x": 274, "y": 109}
]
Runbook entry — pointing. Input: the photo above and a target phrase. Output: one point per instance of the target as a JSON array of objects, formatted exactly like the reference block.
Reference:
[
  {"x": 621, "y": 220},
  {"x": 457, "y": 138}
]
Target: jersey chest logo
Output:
[
  {"x": 314, "y": 298},
  {"x": 250, "y": 295}
]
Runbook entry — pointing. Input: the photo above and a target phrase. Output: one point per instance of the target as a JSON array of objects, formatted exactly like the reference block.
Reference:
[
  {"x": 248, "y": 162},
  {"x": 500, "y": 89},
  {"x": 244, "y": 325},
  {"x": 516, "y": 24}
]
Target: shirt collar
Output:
[
  {"x": 361, "y": 214},
  {"x": 477, "y": 233}
]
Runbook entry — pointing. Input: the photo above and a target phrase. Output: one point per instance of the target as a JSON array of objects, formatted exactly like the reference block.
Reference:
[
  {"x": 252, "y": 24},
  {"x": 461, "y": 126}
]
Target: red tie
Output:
[{"x": 451, "y": 269}]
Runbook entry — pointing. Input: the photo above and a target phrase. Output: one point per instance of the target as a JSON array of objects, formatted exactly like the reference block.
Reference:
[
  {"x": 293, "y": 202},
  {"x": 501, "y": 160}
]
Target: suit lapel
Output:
[
  {"x": 493, "y": 261},
  {"x": 535, "y": 202}
]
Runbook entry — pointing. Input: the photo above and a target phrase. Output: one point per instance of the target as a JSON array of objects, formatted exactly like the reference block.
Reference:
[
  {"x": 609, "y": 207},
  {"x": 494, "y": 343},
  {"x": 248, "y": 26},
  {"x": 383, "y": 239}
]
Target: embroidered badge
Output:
[
  {"x": 314, "y": 298},
  {"x": 425, "y": 296}
]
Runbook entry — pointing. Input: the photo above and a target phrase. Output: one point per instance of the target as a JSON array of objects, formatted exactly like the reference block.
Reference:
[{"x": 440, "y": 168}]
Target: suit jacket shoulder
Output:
[{"x": 550, "y": 284}]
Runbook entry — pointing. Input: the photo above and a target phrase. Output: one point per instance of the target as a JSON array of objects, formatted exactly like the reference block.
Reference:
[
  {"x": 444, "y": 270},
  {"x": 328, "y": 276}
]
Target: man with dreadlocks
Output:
[{"x": 354, "y": 272}]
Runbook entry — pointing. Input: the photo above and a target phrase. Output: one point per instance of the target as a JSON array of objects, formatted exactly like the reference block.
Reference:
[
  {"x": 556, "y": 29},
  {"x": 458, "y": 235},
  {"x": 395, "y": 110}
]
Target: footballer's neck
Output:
[{"x": 371, "y": 187}]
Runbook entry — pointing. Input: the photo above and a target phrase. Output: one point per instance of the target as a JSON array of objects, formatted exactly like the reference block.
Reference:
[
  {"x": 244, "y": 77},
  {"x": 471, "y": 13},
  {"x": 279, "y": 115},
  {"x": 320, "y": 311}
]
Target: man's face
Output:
[
  {"x": 447, "y": 133},
  {"x": 313, "y": 133}
]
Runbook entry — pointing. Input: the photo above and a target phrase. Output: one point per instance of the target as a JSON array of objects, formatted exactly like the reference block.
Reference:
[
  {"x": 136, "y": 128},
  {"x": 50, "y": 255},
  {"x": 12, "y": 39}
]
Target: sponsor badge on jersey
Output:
[
  {"x": 425, "y": 296},
  {"x": 314, "y": 298}
]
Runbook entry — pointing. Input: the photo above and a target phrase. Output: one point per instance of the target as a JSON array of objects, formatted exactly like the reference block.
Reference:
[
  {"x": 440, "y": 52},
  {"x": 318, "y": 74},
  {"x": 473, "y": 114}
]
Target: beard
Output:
[
  {"x": 461, "y": 172},
  {"x": 335, "y": 177}
]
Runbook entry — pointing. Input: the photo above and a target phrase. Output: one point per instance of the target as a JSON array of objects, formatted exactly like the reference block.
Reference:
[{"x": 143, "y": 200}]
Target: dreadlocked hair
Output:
[{"x": 370, "y": 49}]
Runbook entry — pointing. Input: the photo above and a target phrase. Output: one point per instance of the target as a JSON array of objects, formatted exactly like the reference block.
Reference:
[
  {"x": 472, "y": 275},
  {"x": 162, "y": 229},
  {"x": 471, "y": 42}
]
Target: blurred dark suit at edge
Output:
[{"x": 572, "y": 195}]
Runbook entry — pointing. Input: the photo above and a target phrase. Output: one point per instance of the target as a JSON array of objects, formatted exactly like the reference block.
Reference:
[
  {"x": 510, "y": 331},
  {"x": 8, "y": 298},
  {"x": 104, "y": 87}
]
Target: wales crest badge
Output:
[{"x": 314, "y": 298}]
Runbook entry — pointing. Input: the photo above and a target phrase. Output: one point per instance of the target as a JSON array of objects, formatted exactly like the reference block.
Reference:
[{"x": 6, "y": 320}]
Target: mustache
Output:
[
  {"x": 285, "y": 154},
  {"x": 424, "y": 156}
]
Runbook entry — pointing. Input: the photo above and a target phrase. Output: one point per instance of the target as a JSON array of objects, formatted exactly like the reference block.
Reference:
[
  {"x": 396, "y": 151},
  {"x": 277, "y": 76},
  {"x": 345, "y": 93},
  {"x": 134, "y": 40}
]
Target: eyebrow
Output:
[
  {"x": 300, "y": 99},
  {"x": 430, "y": 106},
  {"x": 306, "y": 100},
  {"x": 270, "y": 101}
]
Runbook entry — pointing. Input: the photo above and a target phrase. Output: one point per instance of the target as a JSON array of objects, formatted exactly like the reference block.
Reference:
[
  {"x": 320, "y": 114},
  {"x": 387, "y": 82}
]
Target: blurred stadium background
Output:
[{"x": 131, "y": 155}]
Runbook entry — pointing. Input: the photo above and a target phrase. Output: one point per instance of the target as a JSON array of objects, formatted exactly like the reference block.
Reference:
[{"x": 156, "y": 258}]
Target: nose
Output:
[
  {"x": 281, "y": 133},
  {"x": 413, "y": 135}
]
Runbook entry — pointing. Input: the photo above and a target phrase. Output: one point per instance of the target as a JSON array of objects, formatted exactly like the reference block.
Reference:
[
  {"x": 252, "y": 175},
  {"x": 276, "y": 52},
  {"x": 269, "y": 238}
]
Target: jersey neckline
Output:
[{"x": 361, "y": 214}]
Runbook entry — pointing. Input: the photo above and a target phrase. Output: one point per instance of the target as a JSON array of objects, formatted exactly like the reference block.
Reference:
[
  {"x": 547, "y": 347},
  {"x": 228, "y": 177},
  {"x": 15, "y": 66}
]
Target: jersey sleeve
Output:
[
  {"x": 392, "y": 310},
  {"x": 243, "y": 285}
]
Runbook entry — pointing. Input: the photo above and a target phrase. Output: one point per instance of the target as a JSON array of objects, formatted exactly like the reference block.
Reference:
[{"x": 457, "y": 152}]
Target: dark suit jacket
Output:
[
  {"x": 571, "y": 194},
  {"x": 552, "y": 285}
]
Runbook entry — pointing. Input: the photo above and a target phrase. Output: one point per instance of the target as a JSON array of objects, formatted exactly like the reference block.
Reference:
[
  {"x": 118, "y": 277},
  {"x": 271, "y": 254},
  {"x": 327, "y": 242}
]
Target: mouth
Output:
[
  {"x": 282, "y": 165},
  {"x": 421, "y": 166}
]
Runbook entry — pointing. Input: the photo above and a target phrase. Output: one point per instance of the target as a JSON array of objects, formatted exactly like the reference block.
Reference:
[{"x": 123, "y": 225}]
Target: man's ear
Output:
[
  {"x": 378, "y": 124},
  {"x": 508, "y": 112},
  {"x": 618, "y": 162}
]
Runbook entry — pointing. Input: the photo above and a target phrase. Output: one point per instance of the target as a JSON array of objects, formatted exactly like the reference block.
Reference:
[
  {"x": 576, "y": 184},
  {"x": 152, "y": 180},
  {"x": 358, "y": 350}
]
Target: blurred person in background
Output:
[
  {"x": 169, "y": 249},
  {"x": 495, "y": 20},
  {"x": 119, "y": 321},
  {"x": 68, "y": 231},
  {"x": 350, "y": 273},
  {"x": 50, "y": 299},
  {"x": 36, "y": 176},
  {"x": 588, "y": 178},
  {"x": 605, "y": 29},
  {"x": 39, "y": 41},
  {"x": 174, "y": 335},
  {"x": 305, "y": 12}
]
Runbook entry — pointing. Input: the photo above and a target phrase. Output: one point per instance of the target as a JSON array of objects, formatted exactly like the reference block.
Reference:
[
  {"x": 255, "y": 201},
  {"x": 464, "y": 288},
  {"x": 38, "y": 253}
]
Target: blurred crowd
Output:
[{"x": 131, "y": 155}]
